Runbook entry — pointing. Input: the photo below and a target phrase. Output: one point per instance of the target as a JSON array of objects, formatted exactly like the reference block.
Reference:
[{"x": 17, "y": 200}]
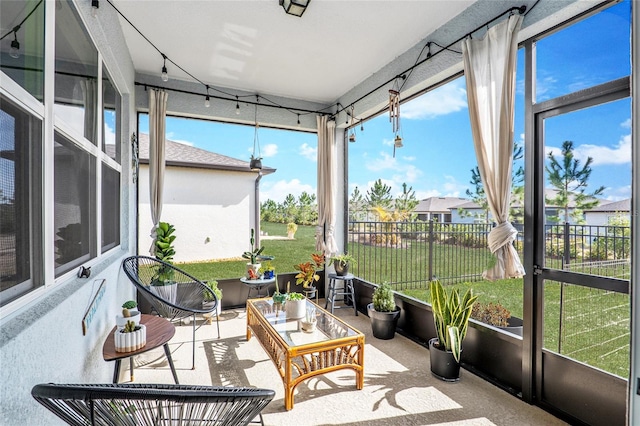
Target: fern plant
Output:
[{"x": 451, "y": 315}]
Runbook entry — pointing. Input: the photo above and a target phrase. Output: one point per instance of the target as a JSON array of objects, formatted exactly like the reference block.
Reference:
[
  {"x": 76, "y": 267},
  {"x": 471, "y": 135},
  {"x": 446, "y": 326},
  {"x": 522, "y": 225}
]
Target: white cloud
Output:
[
  {"x": 422, "y": 195},
  {"x": 383, "y": 162},
  {"x": 619, "y": 193},
  {"x": 408, "y": 158},
  {"x": 452, "y": 187},
  {"x": 449, "y": 98},
  {"x": 280, "y": 189},
  {"x": 387, "y": 142},
  {"x": 169, "y": 136},
  {"x": 626, "y": 123},
  {"x": 109, "y": 135},
  {"x": 544, "y": 87},
  {"x": 269, "y": 150},
  {"x": 618, "y": 154},
  {"x": 309, "y": 152}
]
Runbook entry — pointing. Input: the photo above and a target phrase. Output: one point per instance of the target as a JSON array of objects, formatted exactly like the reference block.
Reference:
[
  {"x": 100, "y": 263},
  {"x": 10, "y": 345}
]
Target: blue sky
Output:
[{"x": 438, "y": 154}]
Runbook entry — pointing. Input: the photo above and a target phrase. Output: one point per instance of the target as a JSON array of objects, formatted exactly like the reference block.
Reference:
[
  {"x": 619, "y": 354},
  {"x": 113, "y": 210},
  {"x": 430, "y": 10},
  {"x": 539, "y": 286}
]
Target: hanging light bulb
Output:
[
  {"x": 397, "y": 142},
  {"x": 15, "y": 46},
  {"x": 165, "y": 76},
  {"x": 298, "y": 120},
  {"x": 361, "y": 126},
  {"x": 207, "y": 102},
  {"x": 352, "y": 137},
  {"x": 95, "y": 5},
  {"x": 237, "y": 106}
]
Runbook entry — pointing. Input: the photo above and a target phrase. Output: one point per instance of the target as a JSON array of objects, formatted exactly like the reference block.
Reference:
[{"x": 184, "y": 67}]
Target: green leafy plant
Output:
[
  {"x": 343, "y": 259},
  {"x": 451, "y": 315},
  {"x": 213, "y": 286},
  {"x": 491, "y": 313},
  {"x": 130, "y": 327},
  {"x": 252, "y": 255},
  {"x": 292, "y": 227},
  {"x": 307, "y": 275},
  {"x": 383, "y": 300},
  {"x": 164, "y": 252},
  {"x": 295, "y": 296}
]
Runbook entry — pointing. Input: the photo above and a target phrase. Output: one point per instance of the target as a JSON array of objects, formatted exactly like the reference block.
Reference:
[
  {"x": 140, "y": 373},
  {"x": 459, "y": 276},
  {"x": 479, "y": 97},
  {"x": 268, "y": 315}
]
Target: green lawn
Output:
[{"x": 595, "y": 323}]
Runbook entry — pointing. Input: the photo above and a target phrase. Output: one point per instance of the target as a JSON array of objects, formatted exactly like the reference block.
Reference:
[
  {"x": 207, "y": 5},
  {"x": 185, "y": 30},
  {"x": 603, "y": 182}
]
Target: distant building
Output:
[
  {"x": 209, "y": 198},
  {"x": 601, "y": 214},
  {"x": 439, "y": 209}
]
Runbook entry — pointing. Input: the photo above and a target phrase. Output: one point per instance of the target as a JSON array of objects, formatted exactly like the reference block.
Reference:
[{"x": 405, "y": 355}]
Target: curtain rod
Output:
[{"x": 520, "y": 9}]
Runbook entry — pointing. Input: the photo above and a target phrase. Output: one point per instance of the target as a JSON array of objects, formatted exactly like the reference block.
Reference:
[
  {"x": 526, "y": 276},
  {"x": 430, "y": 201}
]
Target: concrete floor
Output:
[{"x": 399, "y": 388}]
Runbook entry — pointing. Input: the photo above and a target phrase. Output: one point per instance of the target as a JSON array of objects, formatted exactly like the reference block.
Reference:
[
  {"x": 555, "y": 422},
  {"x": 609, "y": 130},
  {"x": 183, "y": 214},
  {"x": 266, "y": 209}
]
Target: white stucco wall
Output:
[
  {"x": 41, "y": 336},
  {"x": 202, "y": 204}
]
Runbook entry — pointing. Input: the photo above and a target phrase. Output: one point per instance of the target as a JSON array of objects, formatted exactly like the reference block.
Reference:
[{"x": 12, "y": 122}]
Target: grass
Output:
[
  {"x": 287, "y": 254},
  {"x": 595, "y": 323}
]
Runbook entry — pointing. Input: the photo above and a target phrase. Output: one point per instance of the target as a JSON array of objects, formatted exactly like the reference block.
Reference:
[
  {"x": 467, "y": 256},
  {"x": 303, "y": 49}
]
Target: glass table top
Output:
[{"x": 327, "y": 327}]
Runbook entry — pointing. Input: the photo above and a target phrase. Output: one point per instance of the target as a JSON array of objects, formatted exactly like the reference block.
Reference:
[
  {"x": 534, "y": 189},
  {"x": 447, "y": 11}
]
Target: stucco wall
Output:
[
  {"x": 41, "y": 336},
  {"x": 202, "y": 204}
]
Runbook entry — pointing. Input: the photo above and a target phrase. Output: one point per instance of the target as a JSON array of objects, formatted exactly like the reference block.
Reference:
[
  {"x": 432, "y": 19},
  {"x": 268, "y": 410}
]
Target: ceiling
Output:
[{"x": 254, "y": 46}]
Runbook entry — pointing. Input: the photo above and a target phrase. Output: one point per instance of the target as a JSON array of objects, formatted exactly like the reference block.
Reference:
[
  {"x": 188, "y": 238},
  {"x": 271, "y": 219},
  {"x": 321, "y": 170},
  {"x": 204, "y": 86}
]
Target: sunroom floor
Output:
[{"x": 398, "y": 386}]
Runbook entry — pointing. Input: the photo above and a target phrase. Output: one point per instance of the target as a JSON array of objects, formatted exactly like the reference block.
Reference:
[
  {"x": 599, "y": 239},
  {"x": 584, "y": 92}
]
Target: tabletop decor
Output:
[
  {"x": 128, "y": 314},
  {"x": 131, "y": 337}
]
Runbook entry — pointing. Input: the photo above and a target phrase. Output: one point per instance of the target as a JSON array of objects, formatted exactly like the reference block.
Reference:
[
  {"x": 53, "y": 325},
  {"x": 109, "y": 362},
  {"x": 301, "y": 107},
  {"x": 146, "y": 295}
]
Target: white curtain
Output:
[
  {"x": 157, "y": 113},
  {"x": 325, "y": 239},
  {"x": 490, "y": 71}
]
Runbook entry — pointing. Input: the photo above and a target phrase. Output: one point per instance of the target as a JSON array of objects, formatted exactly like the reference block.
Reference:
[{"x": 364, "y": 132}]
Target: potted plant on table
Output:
[
  {"x": 209, "y": 300},
  {"x": 451, "y": 315},
  {"x": 383, "y": 312},
  {"x": 129, "y": 313},
  {"x": 267, "y": 270},
  {"x": 253, "y": 266},
  {"x": 341, "y": 263},
  {"x": 295, "y": 305},
  {"x": 131, "y": 337}
]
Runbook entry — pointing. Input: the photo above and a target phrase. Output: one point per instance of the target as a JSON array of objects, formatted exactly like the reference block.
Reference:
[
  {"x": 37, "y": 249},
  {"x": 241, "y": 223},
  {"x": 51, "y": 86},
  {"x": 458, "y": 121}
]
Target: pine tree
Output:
[{"x": 379, "y": 195}]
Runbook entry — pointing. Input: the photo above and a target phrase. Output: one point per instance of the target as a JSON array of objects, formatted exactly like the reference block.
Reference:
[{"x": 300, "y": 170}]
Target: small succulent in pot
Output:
[
  {"x": 127, "y": 307},
  {"x": 130, "y": 327}
]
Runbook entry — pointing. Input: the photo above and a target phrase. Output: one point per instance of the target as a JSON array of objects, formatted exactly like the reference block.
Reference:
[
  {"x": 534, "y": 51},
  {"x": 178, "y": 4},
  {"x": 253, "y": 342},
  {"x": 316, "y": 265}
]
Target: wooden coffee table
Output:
[
  {"x": 298, "y": 355},
  {"x": 159, "y": 332}
]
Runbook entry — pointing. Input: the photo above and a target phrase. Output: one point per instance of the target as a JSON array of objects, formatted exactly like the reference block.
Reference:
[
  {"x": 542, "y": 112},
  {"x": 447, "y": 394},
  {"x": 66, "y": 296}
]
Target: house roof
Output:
[
  {"x": 439, "y": 204},
  {"x": 616, "y": 206},
  {"x": 179, "y": 154}
]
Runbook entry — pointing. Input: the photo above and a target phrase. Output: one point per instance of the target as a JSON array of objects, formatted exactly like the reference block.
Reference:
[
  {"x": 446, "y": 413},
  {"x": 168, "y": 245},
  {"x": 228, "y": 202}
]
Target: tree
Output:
[
  {"x": 479, "y": 197},
  {"x": 570, "y": 180},
  {"x": 379, "y": 195},
  {"x": 357, "y": 205},
  {"x": 407, "y": 201}
]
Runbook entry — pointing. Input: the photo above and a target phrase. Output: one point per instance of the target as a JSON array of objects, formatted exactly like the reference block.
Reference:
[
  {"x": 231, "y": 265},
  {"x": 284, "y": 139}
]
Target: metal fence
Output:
[{"x": 410, "y": 254}]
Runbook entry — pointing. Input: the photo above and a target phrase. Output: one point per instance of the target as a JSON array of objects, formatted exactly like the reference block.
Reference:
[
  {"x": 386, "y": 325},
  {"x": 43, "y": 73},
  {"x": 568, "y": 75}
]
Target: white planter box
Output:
[{"x": 129, "y": 342}]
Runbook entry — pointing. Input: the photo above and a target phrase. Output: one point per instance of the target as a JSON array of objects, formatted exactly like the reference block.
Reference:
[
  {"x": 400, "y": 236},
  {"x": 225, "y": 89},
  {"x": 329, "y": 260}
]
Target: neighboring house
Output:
[
  {"x": 438, "y": 208},
  {"x": 468, "y": 212},
  {"x": 600, "y": 215},
  {"x": 208, "y": 197}
]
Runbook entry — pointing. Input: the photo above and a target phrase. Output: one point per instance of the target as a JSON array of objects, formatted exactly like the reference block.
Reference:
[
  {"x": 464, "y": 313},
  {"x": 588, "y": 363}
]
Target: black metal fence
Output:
[{"x": 410, "y": 254}]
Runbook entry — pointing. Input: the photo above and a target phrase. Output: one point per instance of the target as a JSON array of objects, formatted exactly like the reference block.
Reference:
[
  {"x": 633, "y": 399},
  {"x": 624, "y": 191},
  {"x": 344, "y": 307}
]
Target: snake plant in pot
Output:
[{"x": 451, "y": 315}]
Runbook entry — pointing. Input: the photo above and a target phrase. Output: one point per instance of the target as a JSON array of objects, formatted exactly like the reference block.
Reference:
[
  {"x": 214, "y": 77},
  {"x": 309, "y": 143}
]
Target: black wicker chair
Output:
[
  {"x": 186, "y": 299},
  {"x": 152, "y": 404}
]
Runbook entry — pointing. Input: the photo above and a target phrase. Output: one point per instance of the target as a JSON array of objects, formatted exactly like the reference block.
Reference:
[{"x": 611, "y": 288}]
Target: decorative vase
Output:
[
  {"x": 121, "y": 321},
  {"x": 252, "y": 270},
  {"x": 295, "y": 308},
  {"x": 342, "y": 269},
  {"x": 209, "y": 315},
  {"x": 443, "y": 365},
  {"x": 308, "y": 326},
  {"x": 383, "y": 324},
  {"x": 166, "y": 292},
  {"x": 129, "y": 342},
  {"x": 268, "y": 275}
]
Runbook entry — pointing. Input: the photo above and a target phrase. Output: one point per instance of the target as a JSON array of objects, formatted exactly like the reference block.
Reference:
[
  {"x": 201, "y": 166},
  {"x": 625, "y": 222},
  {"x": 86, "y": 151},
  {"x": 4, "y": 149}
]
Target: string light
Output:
[
  {"x": 95, "y": 5},
  {"x": 15, "y": 45},
  {"x": 237, "y": 106},
  {"x": 207, "y": 102},
  {"x": 165, "y": 76},
  {"x": 298, "y": 120}
]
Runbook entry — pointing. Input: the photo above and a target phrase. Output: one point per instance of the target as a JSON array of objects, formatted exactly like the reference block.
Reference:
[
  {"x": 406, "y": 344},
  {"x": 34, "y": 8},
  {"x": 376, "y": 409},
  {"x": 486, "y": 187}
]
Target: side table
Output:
[
  {"x": 159, "y": 332},
  {"x": 257, "y": 286}
]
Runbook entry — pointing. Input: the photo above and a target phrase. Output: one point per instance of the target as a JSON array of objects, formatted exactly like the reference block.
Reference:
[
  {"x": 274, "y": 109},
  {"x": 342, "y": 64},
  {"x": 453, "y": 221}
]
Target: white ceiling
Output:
[{"x": 255, "y": 46}]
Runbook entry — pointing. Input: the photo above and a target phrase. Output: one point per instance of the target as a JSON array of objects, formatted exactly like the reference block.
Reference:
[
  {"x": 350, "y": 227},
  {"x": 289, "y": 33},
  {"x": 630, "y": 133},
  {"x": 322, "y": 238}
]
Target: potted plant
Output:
[
  {"x": 291, "y": 230},
  {"x": 341, "y": 263},
  {"x": 451, "y": 315},
  {"x": 131, "y": 337},
  {"x": 268, "y": 270},
  {"x": 162, "y": 283},
  {"x": 253, "y": 266},
  {"x": 497, "y": 315},
  {"x": 383, "y": 312},
  {"x": 128, "y": 314},
  {"x": 208, "y": 301},
  {"x": 307, "y": 271},
  {"x": 295, "y": 305},
  {"x": 279, "y": 298}
]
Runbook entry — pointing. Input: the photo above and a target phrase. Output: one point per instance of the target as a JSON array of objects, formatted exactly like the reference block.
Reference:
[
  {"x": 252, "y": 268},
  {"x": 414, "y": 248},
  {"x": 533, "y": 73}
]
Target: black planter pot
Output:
[
  {"x": 342, "y": 269},
  {"x": 443, "y": 365},
  {"x": 514, "y": 326},
  {"x": 383, "y": 324}
]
